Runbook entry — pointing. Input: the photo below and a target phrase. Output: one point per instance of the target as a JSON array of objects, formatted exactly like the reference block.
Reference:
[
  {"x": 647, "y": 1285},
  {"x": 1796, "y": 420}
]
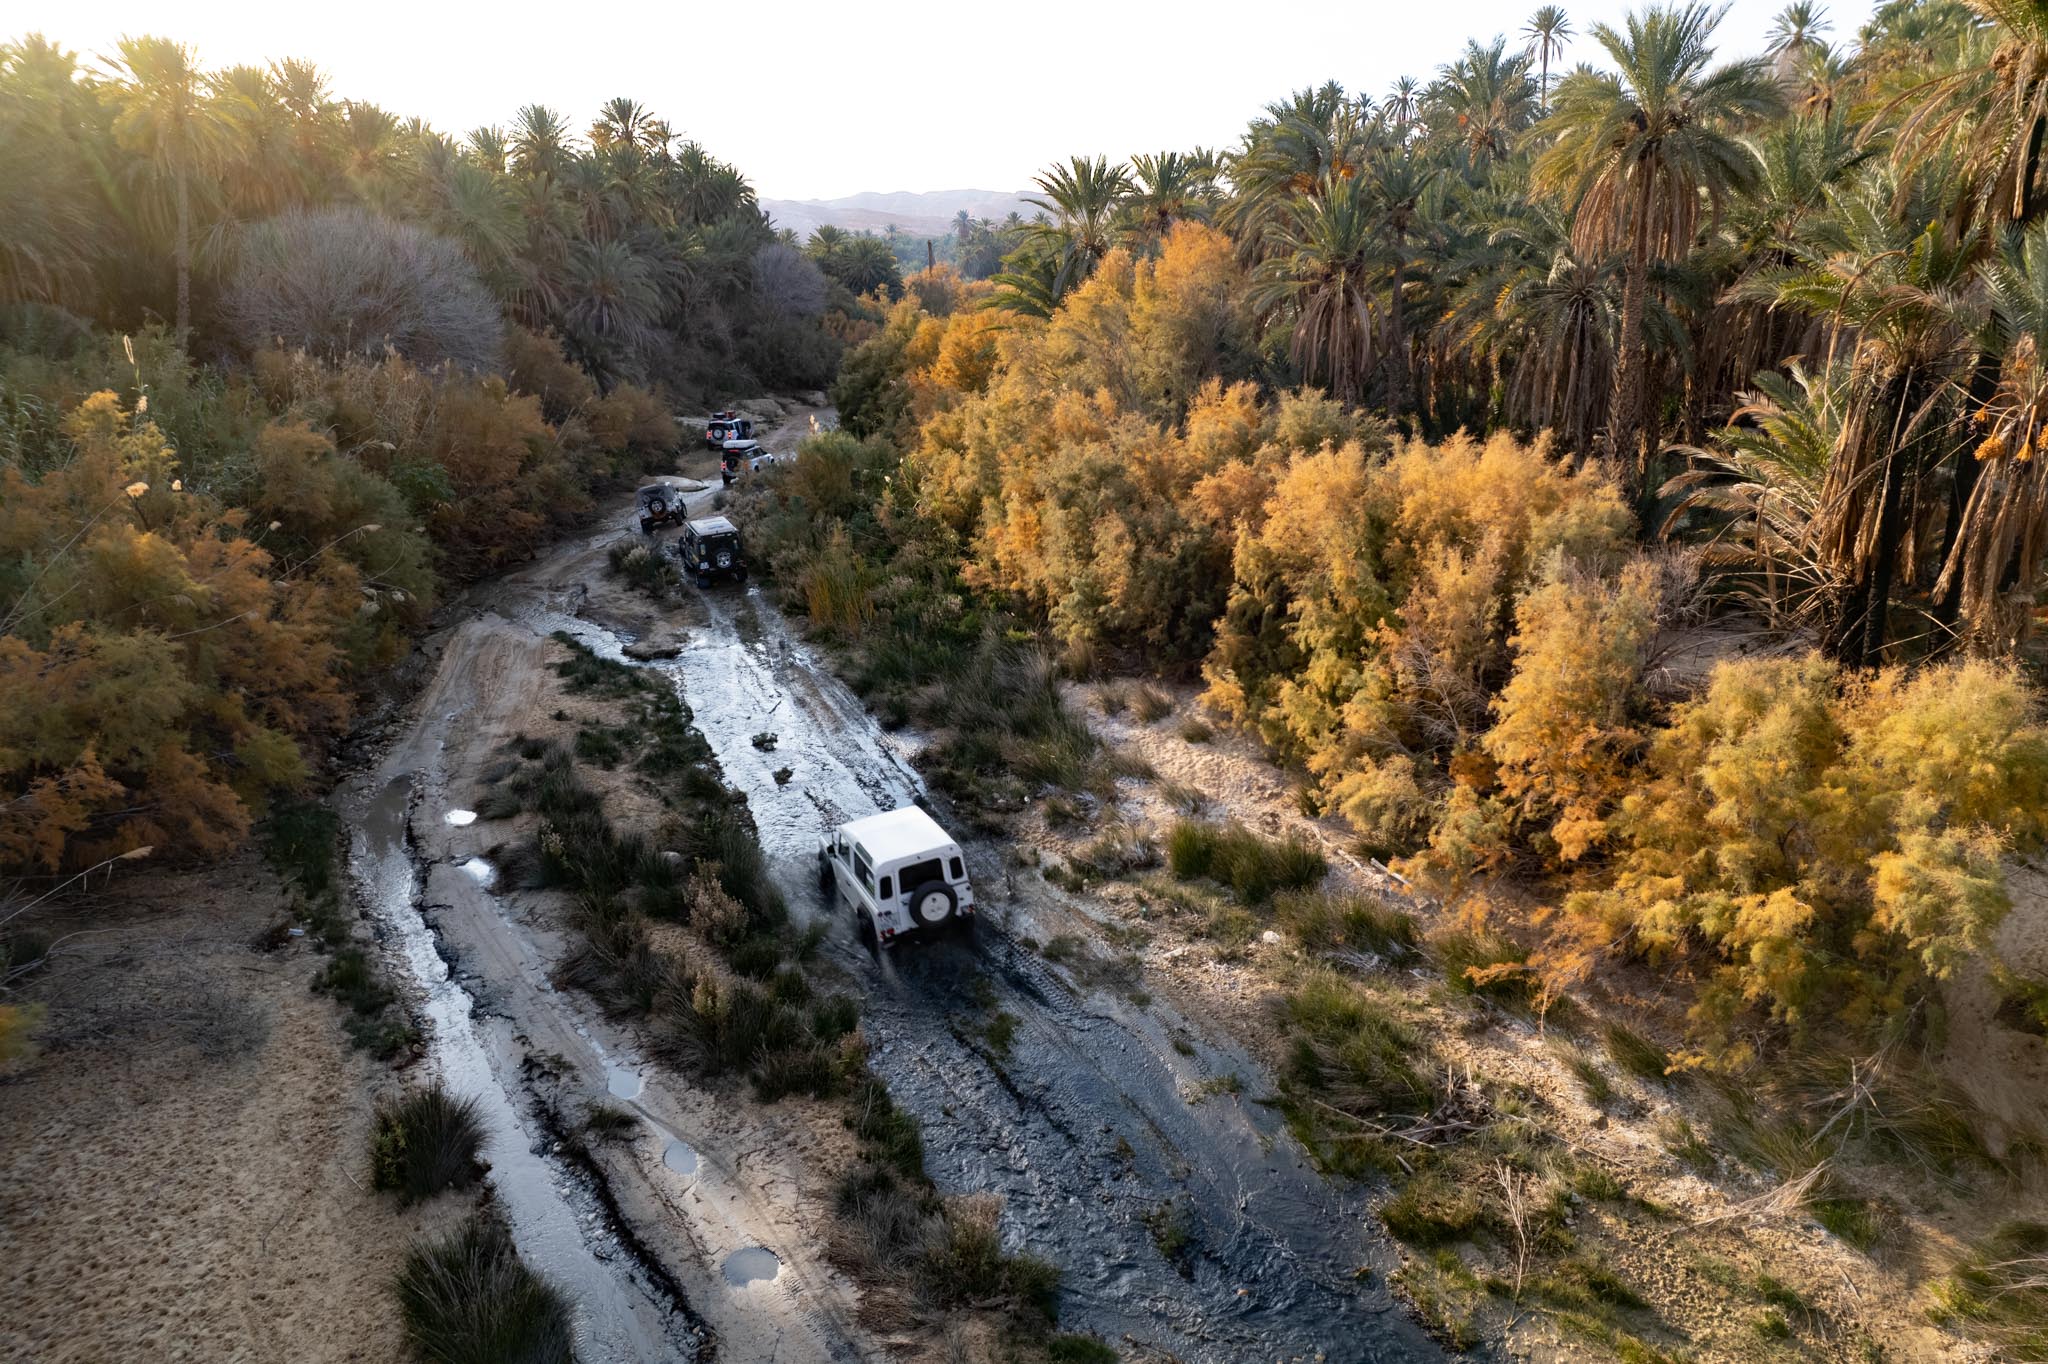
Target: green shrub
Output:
[
  {"x": 1253, "y": 867},
  {"x": 889, "y": 1135},
  {"x": 1151, "y": 705},
  {"x": 966, "y": 1265},
  {"x": 1349, "y": 1054},
  {"x": 1323, "y": 922},
  {"x": 1173, "y": 1234},
  {"x": 1635, "y": 1053},
  {"x": 467, "y": 1299},
  {"x": 351, "y": 976},
  {"x": 1118, "y": 851},
  {"x": 1488, "y": 965},
  {"x": 1436, "y": 1209},
  {"x": 425, "y": 1142},
  {"x": 609, "y": 1121},
  {"x": 834, "y": 1017},
  {"x": 1999, "y": 1291}
]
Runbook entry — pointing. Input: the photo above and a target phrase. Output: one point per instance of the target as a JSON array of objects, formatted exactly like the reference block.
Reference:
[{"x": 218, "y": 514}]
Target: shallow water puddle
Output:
[
  {"x": 480, "y": 871},
  {"x": 624, "y": 1084},
  {"x": 459, "y": 818},
  {"x": 751, "y": 1265},
  {"x": 681, "y": 1157}
]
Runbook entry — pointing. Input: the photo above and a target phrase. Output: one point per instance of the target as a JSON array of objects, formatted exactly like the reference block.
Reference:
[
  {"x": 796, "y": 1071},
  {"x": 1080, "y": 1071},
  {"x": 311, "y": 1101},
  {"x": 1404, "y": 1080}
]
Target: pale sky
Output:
[{"x": 816, "y": 100}]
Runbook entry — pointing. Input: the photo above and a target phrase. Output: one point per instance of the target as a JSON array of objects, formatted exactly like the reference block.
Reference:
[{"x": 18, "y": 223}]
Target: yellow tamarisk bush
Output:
[{"x": 1820, "y": 845}]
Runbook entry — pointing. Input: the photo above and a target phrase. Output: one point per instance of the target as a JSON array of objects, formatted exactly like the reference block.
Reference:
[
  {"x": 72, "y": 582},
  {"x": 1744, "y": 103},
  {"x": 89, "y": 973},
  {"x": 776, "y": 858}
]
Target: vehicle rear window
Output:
[
  {"x": 888, "y": 888},
  {"x": 955, "y": 870}
]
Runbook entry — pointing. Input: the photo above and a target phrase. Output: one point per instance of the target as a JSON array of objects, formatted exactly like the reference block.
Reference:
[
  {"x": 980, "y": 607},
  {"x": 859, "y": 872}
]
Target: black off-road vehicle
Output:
[
  {"x": 660, "y": 505},
  {"x": 710, "y": 548}
]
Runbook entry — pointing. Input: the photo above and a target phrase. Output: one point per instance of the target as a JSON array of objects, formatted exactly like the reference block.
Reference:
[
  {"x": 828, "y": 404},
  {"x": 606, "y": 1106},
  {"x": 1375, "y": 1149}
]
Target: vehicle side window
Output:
[
  {"x": 888, "y": 889},
  {"x": 864, "y": 867},
  {"x": 955, "y": 870}
]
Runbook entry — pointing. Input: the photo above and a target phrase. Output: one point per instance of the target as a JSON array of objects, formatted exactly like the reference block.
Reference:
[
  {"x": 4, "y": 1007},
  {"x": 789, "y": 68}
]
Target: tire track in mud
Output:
[
  {"x": 642, "y": 1249},
  {"x": 1088, "y": 1126},
  {"x": 622, "y": 1312}
]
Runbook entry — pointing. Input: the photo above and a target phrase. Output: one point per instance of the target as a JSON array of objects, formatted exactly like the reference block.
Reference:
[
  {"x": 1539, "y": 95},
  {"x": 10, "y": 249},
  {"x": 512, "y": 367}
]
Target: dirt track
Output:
[{"x": 1092, "y": 1119}]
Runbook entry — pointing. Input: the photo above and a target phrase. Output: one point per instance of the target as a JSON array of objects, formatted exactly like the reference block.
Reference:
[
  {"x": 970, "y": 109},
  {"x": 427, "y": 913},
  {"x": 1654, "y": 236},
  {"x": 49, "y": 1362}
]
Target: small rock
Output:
[
  {"x": 648, "y": 650},
  {"x": 1270, "y": 938}
]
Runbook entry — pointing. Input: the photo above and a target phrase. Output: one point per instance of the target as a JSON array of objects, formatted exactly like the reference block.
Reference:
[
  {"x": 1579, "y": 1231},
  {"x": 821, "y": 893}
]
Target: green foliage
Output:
[
  {"x": 1348, "y": 1054},
  {"x": 425, "y": 1142},
  {"x": 1253, "y": 867},
  {"x": 466, "y": 1298},
  {"x": 1323, "y": 922},
  {"x": 1998, "y": 1289}
]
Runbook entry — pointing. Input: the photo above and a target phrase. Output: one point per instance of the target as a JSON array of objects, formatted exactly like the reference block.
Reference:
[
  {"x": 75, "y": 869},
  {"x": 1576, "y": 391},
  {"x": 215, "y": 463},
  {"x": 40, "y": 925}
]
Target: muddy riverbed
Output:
[{"x": 1102, "y": 1115}]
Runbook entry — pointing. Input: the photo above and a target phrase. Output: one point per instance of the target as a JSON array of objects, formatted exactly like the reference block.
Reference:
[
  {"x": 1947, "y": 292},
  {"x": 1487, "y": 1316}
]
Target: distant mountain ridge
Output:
[{"x": 927, "y": 213}]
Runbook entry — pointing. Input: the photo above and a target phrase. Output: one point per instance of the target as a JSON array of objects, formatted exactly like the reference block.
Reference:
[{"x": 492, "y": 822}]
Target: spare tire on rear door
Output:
[{"x": 932, "y": 903}]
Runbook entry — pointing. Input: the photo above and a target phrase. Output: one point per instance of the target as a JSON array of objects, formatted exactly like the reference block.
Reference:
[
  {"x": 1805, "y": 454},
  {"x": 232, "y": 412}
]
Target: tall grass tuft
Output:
[
  {"x": 1323, "y": 922},
  {"x": 425, "y": 1142},
  {"x": 466, "y": 1298},
  {"x": 1254, "y": 868}
]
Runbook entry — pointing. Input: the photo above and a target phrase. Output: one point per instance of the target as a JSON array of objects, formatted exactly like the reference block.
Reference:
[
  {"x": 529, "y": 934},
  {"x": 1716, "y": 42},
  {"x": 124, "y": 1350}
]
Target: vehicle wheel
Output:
[
  {"x": 703, "y": 582},
  {"x": 863, "y": 926},
  {"x": 646, "y": 526},
  {"x": 739, "y": 574},
  {"x": 932, "y": 903}
]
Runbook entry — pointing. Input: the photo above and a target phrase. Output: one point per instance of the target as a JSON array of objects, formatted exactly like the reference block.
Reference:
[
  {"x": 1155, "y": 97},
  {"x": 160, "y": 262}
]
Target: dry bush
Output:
[{"x": 345, "y": 281}]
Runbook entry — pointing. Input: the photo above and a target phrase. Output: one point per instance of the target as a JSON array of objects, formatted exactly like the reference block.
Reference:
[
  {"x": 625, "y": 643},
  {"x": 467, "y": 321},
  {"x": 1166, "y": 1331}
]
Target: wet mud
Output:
[{"x": 1090, "y": 1121}]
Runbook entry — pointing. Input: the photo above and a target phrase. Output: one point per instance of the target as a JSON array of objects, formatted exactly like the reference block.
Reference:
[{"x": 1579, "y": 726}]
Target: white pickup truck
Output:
[{"x": 901, "y": 873}]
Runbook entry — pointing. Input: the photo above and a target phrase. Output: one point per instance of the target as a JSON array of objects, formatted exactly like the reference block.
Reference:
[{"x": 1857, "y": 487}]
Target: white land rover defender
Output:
[{"x": 901, "y": 872}]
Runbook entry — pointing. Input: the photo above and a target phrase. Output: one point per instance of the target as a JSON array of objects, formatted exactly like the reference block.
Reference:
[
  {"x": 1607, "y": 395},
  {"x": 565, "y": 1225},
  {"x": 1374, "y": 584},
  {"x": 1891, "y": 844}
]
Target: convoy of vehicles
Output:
[
  {"x": 900, "y": 871},
  {"x": 710, "y": 549}
]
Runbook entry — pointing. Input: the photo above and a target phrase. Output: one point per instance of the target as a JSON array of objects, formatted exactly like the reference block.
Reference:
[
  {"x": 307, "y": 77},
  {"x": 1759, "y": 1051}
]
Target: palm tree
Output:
[
  {"x": 1314, "y": 138},
  {"x": 1401, "y": 103},
  {"x": 1485, "y": 98},
  {"x": 540, "y": 141},
  {"x": 1547, "y": 31},
  {"x": 623, "y": 122},
  {"x": 1082, "y": 199},
  {"x": 1639, "y": 154},
  {"x": 51, "y": 226},
  {"x": 1795, "y": 29},
  {"x": 490, "y": 148},
  {"x": 1321, "y": 281},
  {"x": 1032, "y": 285},
  {"x": 369, "y": 150},
  {"x": 166, "y": 113},
  {"x": 613, "y": 306},
  {"x": 1994, "y": 110},
  {"x": 1994, "y": 560},
  {"x": 1761, "y": 486},
  {"x": 868, "y": 264},
  {"x": 259, "y": 157},
  {"x": 1397, "y": 176},
  {"x": 1887, "y": 285},
  {"x": 1169, "y": 188}
]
